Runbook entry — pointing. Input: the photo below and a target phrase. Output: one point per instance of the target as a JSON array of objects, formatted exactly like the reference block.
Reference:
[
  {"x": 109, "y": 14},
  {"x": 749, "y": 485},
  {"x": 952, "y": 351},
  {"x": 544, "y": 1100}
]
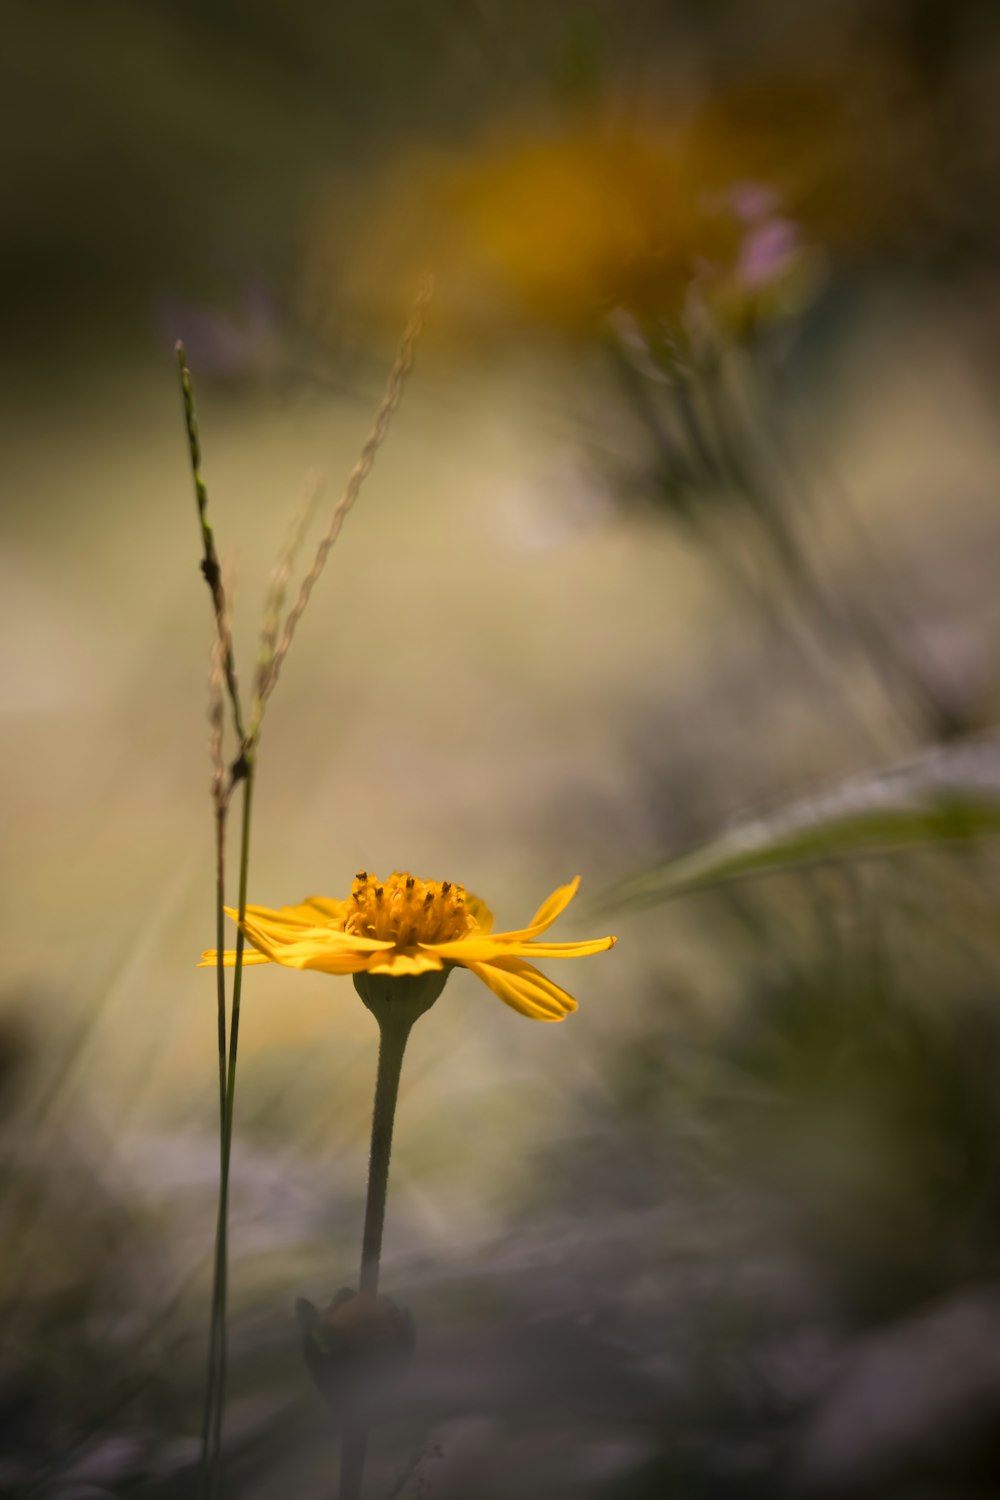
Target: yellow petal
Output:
[
  {"x": 285, "y": 916},
  {"x": 330, "y": 963},
  {"x": 546, "y": 914},
  {"x": 481, "y": 912},
  {"x": 326, "y": 906},
  {"x": 403, "y": 961},
  {"x": 313, "y": 949},
  {"x": 524, "y": 989},
  {"x": 554, "y": 905},
  {"x": 314, "y": 911},
  {"x": 476, "y": 949},
  {"x": 319, "y": 957},
  {"x": 270, "y": 931},
  {"x": 250, "y": 956},
  {"x": 564, "y": 950},
  {"x": 468, "y": 950}
]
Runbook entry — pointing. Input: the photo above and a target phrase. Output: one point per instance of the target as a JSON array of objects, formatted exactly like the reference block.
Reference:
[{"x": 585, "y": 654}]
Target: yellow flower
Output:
[{"x": 404, "y": 927}]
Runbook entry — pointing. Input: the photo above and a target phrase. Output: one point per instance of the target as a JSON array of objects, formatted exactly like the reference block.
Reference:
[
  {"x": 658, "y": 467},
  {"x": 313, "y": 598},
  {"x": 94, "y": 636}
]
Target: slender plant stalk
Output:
[
  {"x": 402, "y": 365},
  {"x": 277, "y": 592},
  {"x": 353, "y": 1450},
  {"x": 394, "y": 1030},
  {"x": 220, "y": 800},
  {"x": 221, "y": 1275},
  {"x": 211, "y": 571},
  {"x": 225, "y": 668},
  {"x": 211, "y": 1378}
]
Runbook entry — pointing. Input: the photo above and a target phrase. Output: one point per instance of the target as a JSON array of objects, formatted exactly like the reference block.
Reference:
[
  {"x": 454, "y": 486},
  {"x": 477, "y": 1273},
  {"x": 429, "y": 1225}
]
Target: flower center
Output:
[{"x": 404, "y": 910}]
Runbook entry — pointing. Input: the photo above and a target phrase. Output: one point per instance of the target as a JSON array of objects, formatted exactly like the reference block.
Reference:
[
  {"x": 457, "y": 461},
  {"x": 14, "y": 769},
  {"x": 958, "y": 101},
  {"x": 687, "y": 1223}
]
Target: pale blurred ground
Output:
[{"x": 487, "y": 641}]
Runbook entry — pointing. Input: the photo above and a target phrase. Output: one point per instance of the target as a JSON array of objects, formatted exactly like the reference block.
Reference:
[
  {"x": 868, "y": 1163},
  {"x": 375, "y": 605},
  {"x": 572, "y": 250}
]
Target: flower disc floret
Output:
[{"x": 406, "y": 910}]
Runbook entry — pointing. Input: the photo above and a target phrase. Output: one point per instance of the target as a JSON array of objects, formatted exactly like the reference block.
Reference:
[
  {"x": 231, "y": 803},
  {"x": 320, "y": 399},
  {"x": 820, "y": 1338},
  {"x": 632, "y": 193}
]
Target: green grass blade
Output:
[{"x": 946, "y": 796}]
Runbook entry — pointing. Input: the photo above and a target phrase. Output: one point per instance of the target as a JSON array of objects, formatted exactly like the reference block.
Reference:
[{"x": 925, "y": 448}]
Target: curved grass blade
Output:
[{"x": 948, "y": 795}]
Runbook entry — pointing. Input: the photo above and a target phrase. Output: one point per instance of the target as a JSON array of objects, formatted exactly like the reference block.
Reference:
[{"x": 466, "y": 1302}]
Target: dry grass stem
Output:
[
  {"x": 356, "y": 478},
  {"x": 274, "y": 603},
  {"x": 221, "y": 648},
  {"x": 210, "y": 568},
  {"x": 215, "y": 723}
]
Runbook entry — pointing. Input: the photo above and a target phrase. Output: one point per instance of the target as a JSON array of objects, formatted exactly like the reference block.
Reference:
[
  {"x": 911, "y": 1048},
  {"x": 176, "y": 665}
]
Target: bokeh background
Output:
[{"x": 690, "y": 508}]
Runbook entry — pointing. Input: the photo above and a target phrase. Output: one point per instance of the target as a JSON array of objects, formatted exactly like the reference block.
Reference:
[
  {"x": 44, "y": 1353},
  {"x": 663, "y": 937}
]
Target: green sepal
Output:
[{"x": 401, "y": 998}]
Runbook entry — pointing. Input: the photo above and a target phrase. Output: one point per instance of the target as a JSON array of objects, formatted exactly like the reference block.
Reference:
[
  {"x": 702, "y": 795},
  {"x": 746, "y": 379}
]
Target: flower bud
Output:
[{"x": 354, "y": 1346}]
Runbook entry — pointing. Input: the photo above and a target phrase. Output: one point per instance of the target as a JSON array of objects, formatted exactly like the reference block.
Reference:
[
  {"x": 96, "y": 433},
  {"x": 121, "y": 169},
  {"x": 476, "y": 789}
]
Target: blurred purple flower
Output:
[{"x": 768, "y": 251}]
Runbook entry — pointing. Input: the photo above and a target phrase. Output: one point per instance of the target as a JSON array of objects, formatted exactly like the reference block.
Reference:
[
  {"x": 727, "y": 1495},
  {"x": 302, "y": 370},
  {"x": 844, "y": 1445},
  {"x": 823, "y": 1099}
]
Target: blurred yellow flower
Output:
[
  {"x": 555, "y": 219},
  {"x": 575, "y": 222},
  {"x": 405, "y": 927}
]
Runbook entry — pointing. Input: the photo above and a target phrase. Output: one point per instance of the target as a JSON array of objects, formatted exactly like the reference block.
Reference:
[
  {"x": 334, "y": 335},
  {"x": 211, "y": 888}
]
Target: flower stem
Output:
[
  {"x": 394, "y": 1029},
  {"x": 395, "y": 1020},
  {"x": 217, "y": 1400},
  {"x": 354, "y": 1446}
]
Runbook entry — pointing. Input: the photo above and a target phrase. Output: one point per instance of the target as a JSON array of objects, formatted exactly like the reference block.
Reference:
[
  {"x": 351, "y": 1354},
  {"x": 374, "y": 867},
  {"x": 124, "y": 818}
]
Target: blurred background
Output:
[{"x": 690, "y": 508}]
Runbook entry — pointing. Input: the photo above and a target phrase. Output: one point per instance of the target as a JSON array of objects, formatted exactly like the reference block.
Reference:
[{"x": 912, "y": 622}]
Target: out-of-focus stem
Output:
[
  {"x": 394, "y": 1026},
  {"x": 211, "y": 1378},
  {"x": 221, "y": 1273}
]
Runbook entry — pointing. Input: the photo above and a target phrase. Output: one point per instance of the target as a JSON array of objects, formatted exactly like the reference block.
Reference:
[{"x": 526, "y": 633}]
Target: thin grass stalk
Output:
[
  {"x": 215, "y": 1381},
  {"x": 211, "y": 571},
  {"x": 383, "y": 416},
  {"x": 212, "y": 1373},
  {"x": 220, "y": 798},
  {"x": 221, "y": 1277},
  {"x": 277, "y": 592}
]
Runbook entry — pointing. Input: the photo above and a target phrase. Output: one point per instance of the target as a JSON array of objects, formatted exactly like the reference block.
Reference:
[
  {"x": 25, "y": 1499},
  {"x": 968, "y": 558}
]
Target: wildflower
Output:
[{"x": 409, "y": 929}]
